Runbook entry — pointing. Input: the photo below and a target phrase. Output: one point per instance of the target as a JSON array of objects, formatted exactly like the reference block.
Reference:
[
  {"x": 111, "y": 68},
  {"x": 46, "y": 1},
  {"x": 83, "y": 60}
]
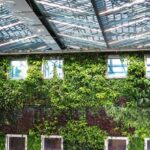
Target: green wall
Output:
[{"x": 116, "y": 107}]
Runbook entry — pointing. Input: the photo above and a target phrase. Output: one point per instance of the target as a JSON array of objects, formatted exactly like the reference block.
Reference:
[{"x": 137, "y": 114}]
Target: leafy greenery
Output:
[
  {"x": 34, "y": 142},
  {"x": 2, "y": 141},
  {"x": 79, "y": 136},
  {"x": 64, "y": 103}
]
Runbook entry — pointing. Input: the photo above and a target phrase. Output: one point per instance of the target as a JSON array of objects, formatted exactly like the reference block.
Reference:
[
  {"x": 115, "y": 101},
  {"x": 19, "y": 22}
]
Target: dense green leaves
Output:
[
  {"x": 79, "y": 136},
  {"x": 84, "y": 86},
  {"x": 2, "y": 142}
]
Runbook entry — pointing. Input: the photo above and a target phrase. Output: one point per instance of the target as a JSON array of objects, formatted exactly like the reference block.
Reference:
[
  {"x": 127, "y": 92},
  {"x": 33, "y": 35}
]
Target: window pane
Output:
[
  {"x": 148, "y": 145},
  {"x": 51, "y": 67},
  {"x": 116, "y": 61},
  {"x": 117, "y": 67},
  {"x": 148, "y": 60},
  {"x": 59, "y": 69},
  {"x": 116, "y": 144},
  {"x": 48, "y": 69},
  {"x": 148, "y": 67},
  {"x": 16, "y": 143},
  {"x": 52, "y": 144},
  {"x": 18, "y": 69}
]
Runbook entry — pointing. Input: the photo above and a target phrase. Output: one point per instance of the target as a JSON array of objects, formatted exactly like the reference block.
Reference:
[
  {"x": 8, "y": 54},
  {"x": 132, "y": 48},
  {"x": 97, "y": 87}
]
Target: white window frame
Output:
[
  {"x": 9, "y": 74},
  {"x": 51, "y": 59},
  {"x": 115, "y": 77},
  {"x": 145, "y": 143},
  {"x": 116, "y": 138},
  {"x": 51, "y": 137},
  {"x": 13, "y": 136},
  {"x": 145, "y": 60}
]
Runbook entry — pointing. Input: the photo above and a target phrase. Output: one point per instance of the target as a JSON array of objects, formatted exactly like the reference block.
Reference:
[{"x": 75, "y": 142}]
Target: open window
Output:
[
  {"x": 147, "y": 144},
  {"x": 16, "y": 142},
  {"x": 52, "y": 67},
  {"x": 52, "y": 142},
  {"x": 18, "y": 69},
  {"x": 116, "y": 143},
  {"x": 116, "y": 67}
]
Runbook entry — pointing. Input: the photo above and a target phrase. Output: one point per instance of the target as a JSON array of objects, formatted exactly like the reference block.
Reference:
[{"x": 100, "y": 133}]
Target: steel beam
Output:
[
  {"x": 100, "y": 23},
  {"x": 66, "y": 51}
]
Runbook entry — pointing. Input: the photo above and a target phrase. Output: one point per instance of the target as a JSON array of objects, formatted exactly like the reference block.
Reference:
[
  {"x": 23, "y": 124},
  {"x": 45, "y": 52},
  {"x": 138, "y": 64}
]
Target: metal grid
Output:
[
  {"x": 81, "y": 24},
  {"x": 14, "y": 35},
  {"x": 126, "y": 22},
  {"x": 74, "y": 21}
]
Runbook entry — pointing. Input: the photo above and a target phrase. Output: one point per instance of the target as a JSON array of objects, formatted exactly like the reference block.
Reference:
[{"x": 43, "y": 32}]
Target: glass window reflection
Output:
[
  {"x": 18, "y": 69},
  {"x": 51, "y": 68}
]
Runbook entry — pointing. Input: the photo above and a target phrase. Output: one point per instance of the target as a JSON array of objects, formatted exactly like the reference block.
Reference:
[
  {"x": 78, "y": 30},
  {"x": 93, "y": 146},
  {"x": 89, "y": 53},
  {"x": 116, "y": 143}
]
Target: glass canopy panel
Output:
[
  {"x": 74, "y": 21},
  {"x": 21, "y": 30},
  {"x": 24, "y": 13},
  {"x": 126, "y": 22},
  {"x": 14, "y": 35}
]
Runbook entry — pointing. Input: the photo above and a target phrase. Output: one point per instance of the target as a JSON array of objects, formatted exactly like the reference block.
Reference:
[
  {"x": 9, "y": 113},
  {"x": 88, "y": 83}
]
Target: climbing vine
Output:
[{"x": 84, "y": 107}]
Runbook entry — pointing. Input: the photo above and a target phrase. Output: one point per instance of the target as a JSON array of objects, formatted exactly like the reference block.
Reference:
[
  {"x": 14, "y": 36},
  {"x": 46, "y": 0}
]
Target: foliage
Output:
[
  {"x": 2, "y": 141},
  {"x": 63, "y": 103},
  {"x": 34, "y": 141},
  {"x": 136, "y": 143},
  {"x": 79, "y": 136}
]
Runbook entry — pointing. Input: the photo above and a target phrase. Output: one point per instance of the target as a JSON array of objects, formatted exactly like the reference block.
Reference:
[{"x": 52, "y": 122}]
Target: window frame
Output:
[
  {"x": 145, "y": 60},
  {"x": 13, "y": 136},
  {"x": 18, "y": 59},
  {"x": 145, "y": 143},
  {"x": 51, "y": 59},
  {"x": 116, "y": 138},
  {"x": 115, "y": 77},
  {"x": 51, "y": 137}
]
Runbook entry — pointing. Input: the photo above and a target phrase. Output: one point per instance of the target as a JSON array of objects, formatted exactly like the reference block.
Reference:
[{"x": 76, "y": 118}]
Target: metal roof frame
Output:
[{"x": 80, "y": 26}]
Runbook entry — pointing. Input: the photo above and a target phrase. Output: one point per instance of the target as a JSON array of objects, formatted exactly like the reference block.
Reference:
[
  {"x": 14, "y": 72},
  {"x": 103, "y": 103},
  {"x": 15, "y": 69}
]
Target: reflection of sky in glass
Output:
[
  {"x": 18, "y": 69},
  {"x": 148, "y": 67},
  {"x": 117, "y": 67},
  {"x": 51, "y": 66},
  {"x": 15, "y": 33},
  {"x": 74, "y": 21}
]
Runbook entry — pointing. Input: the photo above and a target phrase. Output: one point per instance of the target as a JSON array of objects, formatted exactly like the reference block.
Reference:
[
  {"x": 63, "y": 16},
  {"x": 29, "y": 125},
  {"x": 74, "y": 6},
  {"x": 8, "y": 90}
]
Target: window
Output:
[
  {"x": 147, "y": 144},
  {"x": 116, "y": 143},
  {"x": 148, "y": 66},
  {"x": 16, "y": 142},
  {"x": 117, "y": 67},
  {"x": 18, "y": 69},
  {"x": 53, "y": 142},
  {"x": 51, "y": 68}
]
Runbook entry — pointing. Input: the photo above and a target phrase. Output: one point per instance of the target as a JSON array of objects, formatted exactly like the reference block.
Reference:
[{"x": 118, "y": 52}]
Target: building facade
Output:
[{"x": 74, "y": 75}]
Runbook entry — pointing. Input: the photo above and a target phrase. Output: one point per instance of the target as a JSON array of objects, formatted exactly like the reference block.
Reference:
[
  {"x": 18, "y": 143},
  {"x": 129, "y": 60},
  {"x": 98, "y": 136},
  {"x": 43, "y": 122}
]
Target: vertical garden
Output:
[{"x": 85, "y": 107}]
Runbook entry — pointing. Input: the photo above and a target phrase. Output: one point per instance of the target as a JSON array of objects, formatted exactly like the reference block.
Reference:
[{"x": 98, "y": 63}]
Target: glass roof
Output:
[
  {"x": 126, "y": 22},
  {"x": 74, "y": 21},
  {"x": 20, "y": 30},
  {"x": 74, "y": 24}
]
